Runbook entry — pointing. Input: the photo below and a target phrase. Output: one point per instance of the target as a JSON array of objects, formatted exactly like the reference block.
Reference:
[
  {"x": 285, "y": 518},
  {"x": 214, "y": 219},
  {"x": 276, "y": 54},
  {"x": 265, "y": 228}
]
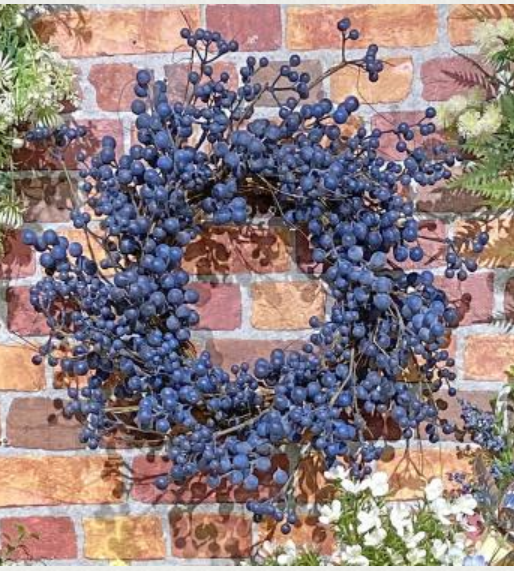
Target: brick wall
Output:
[{"x": 256, "y": 285}]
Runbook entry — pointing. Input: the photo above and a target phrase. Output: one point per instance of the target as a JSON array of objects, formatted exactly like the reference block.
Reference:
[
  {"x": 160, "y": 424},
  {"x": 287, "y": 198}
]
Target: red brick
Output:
[
  {"x": 56, "y": 537},
  {"x": 388, "y": 121},
  {"x": 18, "y": 260},
  {"x": 239, "y": 251},
  {"x": 431, "y": 234},
  {"x": 463, "y": 19},
  {"x": 219, "y": 306},
  {"x": 195, "y": 491},
  {"x": 444, "y": 77},
  {"x": 473, "y": 298},
  {"x": 196, "y": 535},
  {"x": 21, "y": 316},
  {"x": 227, "y": 352},
  {"x": 47, "y": 199},
  {"x": 304, "y": 255},
  {"x": 88, "y": 33},
  {"x": 256, "y": 27},
  {"x": 439, "y": 198},
  {"x": 487, "y": 357},
  {"x": 39, "y": 423},
  {"x": 393, "y": 25},
  {"x": 113, "y": 83},
  {"x": 40, "y": 159},
  {"x": 308, "y": 533}
]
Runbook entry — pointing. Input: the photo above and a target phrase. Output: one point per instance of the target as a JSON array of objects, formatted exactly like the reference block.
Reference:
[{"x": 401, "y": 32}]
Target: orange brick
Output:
[
  {"x": 210, "y": 536},
  {"x": 239, "y": 250},
  {"x": 17, "y": 260},
  {"x": 409, "y": 471},
  {"x": 286, "y": 305},
  {"x": 464, "y": 18},
  {"x": 18, "y": 372},
  {"x": 392, "y": 25},
  {"x": 499, "y": 252},
  {"x": 113, "y": 85},
  {"x": 107, "y": 32},
  {"x": 393, "y": 85},
  {"x": 487, "y": 357},
  {"x": 55, "y": 480},
  {"x": 91, "y": 247},
  {"x": 124, "y": 538}
]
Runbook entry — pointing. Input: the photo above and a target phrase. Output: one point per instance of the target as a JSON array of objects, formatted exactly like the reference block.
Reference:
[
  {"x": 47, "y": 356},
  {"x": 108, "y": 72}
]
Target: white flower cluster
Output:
[
  {"x": 427, "y": 532},
  {"x": 490, "y": 36}
]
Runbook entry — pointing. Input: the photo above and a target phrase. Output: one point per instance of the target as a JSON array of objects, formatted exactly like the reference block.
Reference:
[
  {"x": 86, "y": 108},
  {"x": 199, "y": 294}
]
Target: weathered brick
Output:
[
  {"x": 509, "y": 299},
  {"x": 391, "y": 120},
  {"x": 195, "y": 491},
  {"x": 444, "y": 77},
  {"x": 239, "y": 251},
  {"x": 473, "y": 298},
  {"x": 18, "y": 260},
  {"x": 124, "y": 538},
  {"x": 21, "y": 316},
  {"x": 393, "y": 25},
  {"x": 227, "y": 352},
  {"x": 39, "y": 423},
  {"x": 394, "y": 84},
  {"x": 409, "y": 471},
  {"x": 89, "y": 33},
  {"x": 431, "y": 236},
  {"x": 487, "y": 357},
  {"x": 51, "y": 481},
  {"x": 270, "y": 73},
  {"x": 91, "y": 247},
  {"x": 450, "y": 408},
  {"x": 113, "y": 83},
  {"x": 286, "y": 305},
  {"x": 439, "y": 198},
  {"x": 47, "y": 199},
  {"x": 23, "y": 375},
  {"x": 256, "y": 27},
  {"x": 463, "y": 19},
  {"x": 499, "y": 252},
  {"x": 56, "y": 537},
  {"x": 177, "y": 75},
  {"x": 304, "y": 255},
  {"x": 219, "y": 306},
  {"x": 196, "y": 535},
  {"x": 31, "y": 158},
  {"x": 308, "y": 533}
]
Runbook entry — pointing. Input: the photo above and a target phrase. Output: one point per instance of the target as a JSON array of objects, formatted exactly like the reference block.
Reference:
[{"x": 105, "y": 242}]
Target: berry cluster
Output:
[{"x": 125, "y": 320}]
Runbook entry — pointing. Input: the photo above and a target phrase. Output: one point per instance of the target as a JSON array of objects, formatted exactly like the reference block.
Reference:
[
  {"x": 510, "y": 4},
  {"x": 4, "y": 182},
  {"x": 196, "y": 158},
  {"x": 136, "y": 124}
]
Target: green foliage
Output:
[{"x": 34, "y": 84}]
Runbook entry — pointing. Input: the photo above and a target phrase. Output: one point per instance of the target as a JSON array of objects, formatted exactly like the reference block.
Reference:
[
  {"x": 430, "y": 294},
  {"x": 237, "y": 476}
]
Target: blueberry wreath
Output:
[{"x": 125, "y": 321}]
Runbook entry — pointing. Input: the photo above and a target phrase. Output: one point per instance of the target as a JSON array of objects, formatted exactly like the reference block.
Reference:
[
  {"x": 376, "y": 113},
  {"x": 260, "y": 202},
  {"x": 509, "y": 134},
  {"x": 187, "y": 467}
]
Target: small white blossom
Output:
[
  {"x": 414, "y": 540},
  {"x": 442, "y": 510},
  {"x": 434, "y": 489},
  {"x": 368, "y": 519},
  {"x": 337, "y": 472},
  {"x": 288, "y": 554},
  {"x": 352, "y": 555},
  {"x": 416, "y": 556},
  {"x": 379, "y": 484},
  {"x": 439, "y": 549},
  {"x": 354, "y": 488},
  {"x": 330, "y": 513},
  {"x": 464, "y": 505},
  {"x": 375, "y": 537},
  {"x": 401, "y": 518}
]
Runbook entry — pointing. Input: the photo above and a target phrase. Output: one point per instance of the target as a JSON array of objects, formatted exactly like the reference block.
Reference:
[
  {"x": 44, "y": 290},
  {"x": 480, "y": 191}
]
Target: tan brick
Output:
[
  {"x": 286, "y": 305},
  {"x": 55, "y": 480},
  {"x": 487, "y": 357},
  {"x": 88, "y": 33},
  {"x": 394, "y": 84},
  {"x": 124, "y": 538},
  {"x": 17, "y": 373},
  {"x": 409, "y": 471},
  {"x": 463, "y": 19},
  {"x": 392, "y": 25}
]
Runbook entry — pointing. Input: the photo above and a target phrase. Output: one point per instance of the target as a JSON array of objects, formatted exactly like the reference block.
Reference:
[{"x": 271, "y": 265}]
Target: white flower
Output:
[
  {"x": 379, "y": 484},
  {"x": 434, "y": 489},
  {"x": 17, "y": 143},
  {"x": 288, "y": 554},
  {"x": 354, "y": 488},
  {"x": 375, "y": 538},
  {"x": 368, "y": 519},
  {"x": 439, "y": 549},
  {"x": 337, "y": 472},
  {"x": 330, "y": 513},
  {"x": 442, "y": 509},
  {"x": 464, "y": 505},
  {"x": 352, "y": 555},
  {"x": 401, "y": 518},
  {"x": 414, "y": 540},
  {"x": 416, "y": 556},
  {"x": 468, "y": 122}
]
